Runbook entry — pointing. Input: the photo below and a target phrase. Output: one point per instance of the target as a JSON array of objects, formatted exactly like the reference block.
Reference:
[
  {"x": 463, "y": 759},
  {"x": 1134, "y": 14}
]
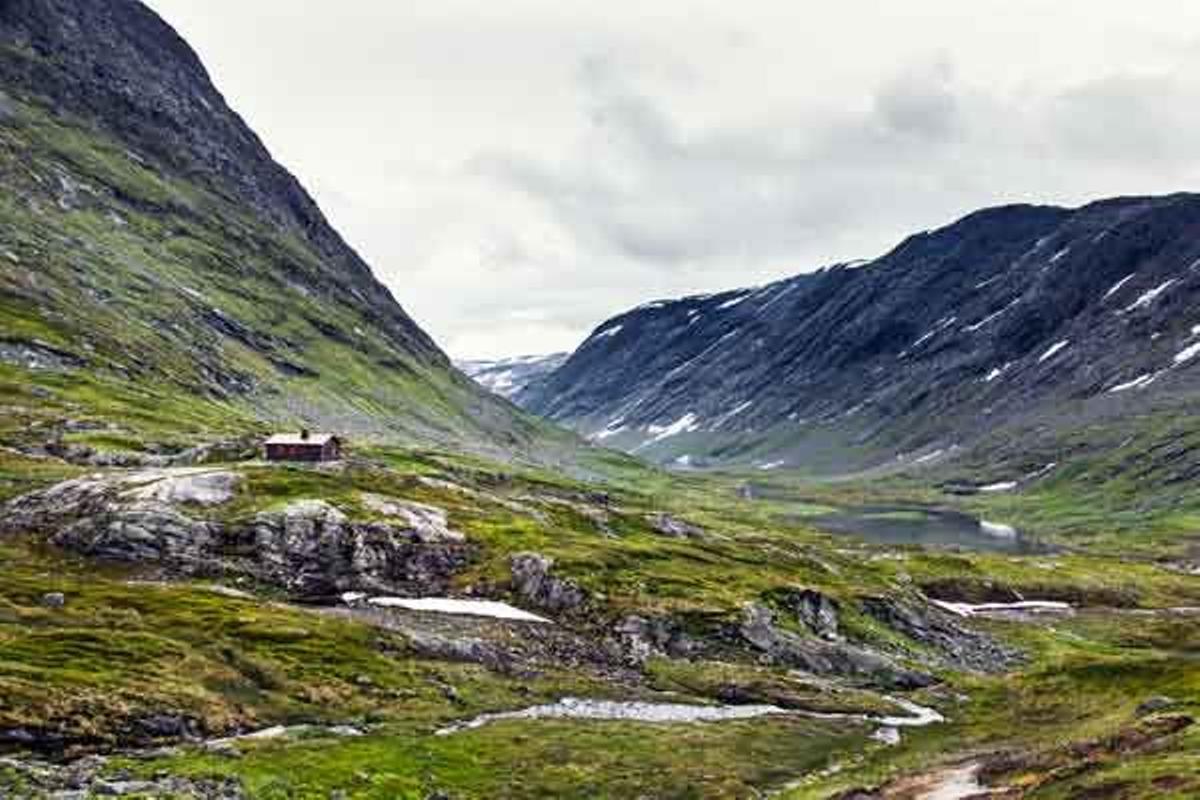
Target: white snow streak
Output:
[
  {"x": 971, "y": 609},
  {"x": 733, "y": 302},
  {"x": 1116, "y": 287},
  {"x": 685, "y": 424},
  {"x": 1188, "y": 353},
  {"x": 1139, "y": 382},
  {"x": 613, "y": 331},
  {"x": 990, "y": 317},
  {"x": 1150, "y": 296},
  {"x": 1053, "y": 351}
]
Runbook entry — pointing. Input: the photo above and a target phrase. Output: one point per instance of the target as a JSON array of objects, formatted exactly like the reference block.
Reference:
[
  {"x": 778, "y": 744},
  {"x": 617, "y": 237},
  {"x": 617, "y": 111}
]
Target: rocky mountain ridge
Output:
[
  {"x": 1014, "y": 318},
  {"x": 508, "y": 376}
]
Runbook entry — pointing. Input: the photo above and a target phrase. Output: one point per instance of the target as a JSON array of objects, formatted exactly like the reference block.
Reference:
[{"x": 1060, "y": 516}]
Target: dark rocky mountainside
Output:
[
  {"x": 117, "y": 64},
  {"x": 156, "y": 262},
  {"x": 1018, "y": 321},
  {"x": 508, "y": 376}
]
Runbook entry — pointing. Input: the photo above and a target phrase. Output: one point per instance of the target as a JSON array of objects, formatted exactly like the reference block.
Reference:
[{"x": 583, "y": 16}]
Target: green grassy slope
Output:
[{"x": 133, "y": 297}]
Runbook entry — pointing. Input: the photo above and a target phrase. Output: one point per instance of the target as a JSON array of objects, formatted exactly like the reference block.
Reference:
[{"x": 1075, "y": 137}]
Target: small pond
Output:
[{"x": 927, "y": 527}]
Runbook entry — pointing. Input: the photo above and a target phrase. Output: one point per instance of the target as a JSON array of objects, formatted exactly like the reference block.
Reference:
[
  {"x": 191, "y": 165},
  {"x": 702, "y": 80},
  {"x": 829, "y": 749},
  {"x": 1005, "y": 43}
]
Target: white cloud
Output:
[{"x": 516, "y": 173}]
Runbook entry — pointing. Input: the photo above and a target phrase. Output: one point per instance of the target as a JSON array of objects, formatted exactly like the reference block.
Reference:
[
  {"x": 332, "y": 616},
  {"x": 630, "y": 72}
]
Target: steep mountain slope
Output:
[
  {"x": 508, "y": 376},
  {"x": 1030, "y": 319},
  {"x": 161, "y": 273}
]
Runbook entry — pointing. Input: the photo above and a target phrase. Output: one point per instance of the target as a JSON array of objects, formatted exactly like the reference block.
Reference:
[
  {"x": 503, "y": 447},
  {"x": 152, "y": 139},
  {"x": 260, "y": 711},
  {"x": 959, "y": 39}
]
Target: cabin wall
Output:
[{"x": 294, "y": 452}]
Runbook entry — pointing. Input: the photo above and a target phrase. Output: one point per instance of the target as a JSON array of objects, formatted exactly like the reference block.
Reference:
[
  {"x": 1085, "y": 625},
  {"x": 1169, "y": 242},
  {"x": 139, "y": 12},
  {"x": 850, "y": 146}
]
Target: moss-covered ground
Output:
[{"x": 122, "y": 648}]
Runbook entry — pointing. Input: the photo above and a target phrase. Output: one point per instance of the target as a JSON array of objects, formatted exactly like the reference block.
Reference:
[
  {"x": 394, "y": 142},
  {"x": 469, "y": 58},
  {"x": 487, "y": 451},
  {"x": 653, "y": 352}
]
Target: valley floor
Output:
[{"x": 210, "y": 632}]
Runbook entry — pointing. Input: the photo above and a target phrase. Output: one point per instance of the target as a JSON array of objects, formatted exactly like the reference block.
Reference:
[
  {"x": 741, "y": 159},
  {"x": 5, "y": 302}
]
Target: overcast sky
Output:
[{"x": 518, "y": 171}]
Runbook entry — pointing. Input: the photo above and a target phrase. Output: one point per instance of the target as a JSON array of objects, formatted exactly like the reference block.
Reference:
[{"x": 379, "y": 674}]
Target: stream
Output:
[{"x": 632, "y": 711}]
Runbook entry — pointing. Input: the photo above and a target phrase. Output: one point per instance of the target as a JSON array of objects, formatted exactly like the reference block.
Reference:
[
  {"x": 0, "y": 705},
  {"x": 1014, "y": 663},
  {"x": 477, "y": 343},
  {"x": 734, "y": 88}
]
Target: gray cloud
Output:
[{"x": 517, "y": 173}]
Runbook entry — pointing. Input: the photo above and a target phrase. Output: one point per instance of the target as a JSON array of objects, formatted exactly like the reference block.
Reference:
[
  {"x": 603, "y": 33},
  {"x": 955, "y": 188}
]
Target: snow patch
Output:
[
  {"x": 1116, "y": 287},
  {"x": 607, "y": 433},
  {"x": 1149, "y": 297},
  {"x": 1060, "y": 255},
  {"x": 686, "y": 424},
  {"x": 613, "y": 331},
  {"x": 997, "y": 372},
  {"x": 990, "y": 317},
  {"x": 725, "y": 418},
  {"x": 447, "y": 605},
  {"x": 997, "y": 530},
  {"x": 1139, "y": 382},
  {"x": 1003, "y": 486},
  {"x": 1054, "y": 350},
  {"x": 971, "y": 609},
  {"x": 733, "y": 302},
  {"x": 1188, "y": 353}
]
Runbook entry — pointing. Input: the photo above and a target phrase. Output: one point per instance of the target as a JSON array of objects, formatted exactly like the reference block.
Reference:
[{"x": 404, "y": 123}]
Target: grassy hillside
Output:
[
  {"x": 158, "y": 311},
  {"x": 126, "y": 646}
]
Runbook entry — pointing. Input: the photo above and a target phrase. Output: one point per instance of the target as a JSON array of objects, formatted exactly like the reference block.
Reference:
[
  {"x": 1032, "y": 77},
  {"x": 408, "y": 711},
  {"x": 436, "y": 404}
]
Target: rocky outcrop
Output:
[
  {"x": 673, "y": 527},
  {"x": 428, "y": 523},
  {"x": 94, "y": 777},
  {"x": 816, "y": 611},
  {"x": 640, "y": 638},
  {"x": 533, "y": 582},
  {"x": 952, "y": 643},
  {"x": 310, "y": 548},
  {"x": 791, "y": 649},
  {"x": 200, "y": 488}
]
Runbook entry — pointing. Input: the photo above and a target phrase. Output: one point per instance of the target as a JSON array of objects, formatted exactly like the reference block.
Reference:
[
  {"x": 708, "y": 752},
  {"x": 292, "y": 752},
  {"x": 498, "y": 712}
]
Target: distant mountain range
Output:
[
  {"x": 1020, "y": 321},
  {"x": 508, "y": 376}
]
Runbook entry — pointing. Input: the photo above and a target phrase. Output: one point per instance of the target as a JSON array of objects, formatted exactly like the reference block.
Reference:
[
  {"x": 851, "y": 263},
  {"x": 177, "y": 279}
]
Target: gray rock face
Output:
[
  {"x": 815, "y": 611},
  {"x": 954, "y": 644},
  {"x": 533, "y": 582},
  {"x": 309, "y": 547},
  {"x": 428, "y": 523},
  {"x": 54, "y": 600},
  {"x": 674, "y": 527},
  {"x": 200, "y": 488},
  {"x": 641, "y": 638},
  {"x": 823, "y": 658}
]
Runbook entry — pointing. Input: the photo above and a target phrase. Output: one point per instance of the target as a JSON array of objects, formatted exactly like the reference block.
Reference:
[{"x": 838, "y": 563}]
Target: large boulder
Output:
[{"x": 532, "y": 580}]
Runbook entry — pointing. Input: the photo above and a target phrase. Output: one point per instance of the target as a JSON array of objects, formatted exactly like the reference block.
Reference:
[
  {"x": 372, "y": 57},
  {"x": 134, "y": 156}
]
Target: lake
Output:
[{"x": 926, "y": 527}]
